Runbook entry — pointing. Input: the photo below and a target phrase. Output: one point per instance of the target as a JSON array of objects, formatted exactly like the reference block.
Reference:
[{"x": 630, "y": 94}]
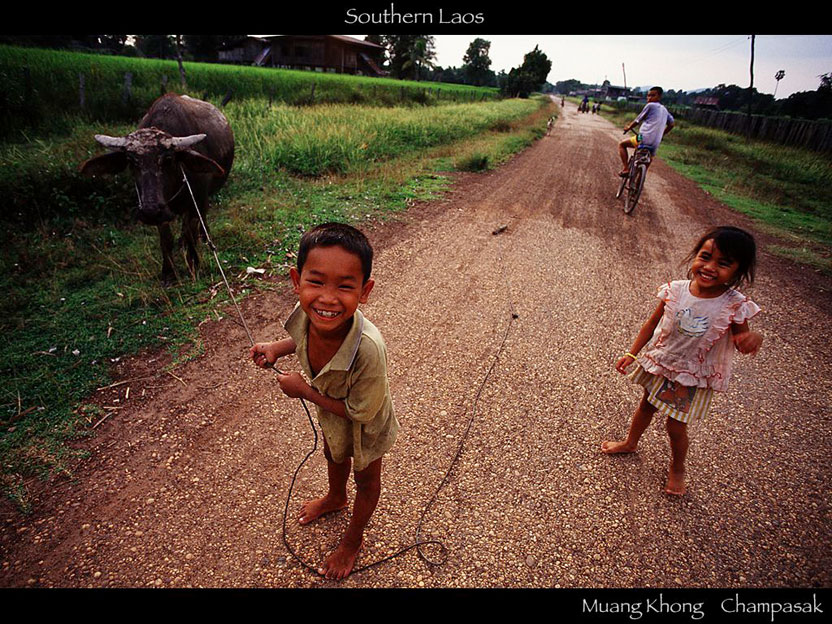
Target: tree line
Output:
[
  {"x": 811, "y": 105},
  {"x": 412, "y": 57}
]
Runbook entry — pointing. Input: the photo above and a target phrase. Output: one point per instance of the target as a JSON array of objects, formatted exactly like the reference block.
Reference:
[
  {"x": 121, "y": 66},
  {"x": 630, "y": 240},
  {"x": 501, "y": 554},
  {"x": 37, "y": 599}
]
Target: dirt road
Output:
[{"x": 185, "y": 485}]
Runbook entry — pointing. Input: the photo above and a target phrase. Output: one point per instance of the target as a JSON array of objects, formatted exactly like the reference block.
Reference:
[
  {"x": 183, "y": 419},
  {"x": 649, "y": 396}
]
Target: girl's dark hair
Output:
[
  {"x": 735, "y": 243},
  {"x": 341, "y": 234}
]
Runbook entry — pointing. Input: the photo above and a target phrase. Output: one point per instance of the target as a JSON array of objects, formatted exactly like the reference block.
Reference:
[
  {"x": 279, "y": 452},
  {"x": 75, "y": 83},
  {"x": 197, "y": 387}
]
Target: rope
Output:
[
  {"x": 213, "y": 248},
  {"x": 418, "y": 543}
]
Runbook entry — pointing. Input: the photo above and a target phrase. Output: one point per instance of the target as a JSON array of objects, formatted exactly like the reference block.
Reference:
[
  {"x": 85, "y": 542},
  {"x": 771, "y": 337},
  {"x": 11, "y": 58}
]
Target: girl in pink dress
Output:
[{"x": 688, "y": 343}]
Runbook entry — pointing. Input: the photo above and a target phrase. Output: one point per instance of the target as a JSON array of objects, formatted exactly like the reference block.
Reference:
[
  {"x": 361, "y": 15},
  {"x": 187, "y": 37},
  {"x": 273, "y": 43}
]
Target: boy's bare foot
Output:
[
  {"x": 340, "y": 562},
  {"x": 314, "y": 509},
  {"x": 610, "y": 447},
  {"x": 675, "y": 483}
]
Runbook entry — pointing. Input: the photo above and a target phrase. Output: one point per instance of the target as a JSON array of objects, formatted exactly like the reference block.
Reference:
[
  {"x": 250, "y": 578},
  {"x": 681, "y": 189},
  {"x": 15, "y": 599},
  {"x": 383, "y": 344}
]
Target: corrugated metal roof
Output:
[
  {"x": 344, "y": 38},
  {"x": 349, "y": 39}
]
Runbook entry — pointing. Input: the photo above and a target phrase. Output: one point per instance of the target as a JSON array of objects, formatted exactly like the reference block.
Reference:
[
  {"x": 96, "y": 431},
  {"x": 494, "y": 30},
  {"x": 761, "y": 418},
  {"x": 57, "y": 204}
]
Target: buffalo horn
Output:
[
  {"x": 111, "y": 142},
  {"x": 185, "y": 142}
]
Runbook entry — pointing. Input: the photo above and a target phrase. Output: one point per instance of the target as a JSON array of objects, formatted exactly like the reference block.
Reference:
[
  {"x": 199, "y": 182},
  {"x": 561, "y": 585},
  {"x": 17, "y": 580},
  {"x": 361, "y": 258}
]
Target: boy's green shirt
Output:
[{"x": 357, "y": 375}]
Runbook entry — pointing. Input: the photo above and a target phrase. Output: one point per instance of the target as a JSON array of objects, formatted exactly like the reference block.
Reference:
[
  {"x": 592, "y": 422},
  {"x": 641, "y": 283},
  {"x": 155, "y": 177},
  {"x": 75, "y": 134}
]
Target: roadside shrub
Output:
[{"x": 473, "y": 162}]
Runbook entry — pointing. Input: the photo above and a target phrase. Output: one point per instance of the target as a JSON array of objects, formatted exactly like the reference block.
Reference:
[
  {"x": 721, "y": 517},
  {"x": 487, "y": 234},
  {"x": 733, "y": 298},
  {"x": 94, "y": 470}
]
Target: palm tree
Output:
[{"x": 420, "y": 54}]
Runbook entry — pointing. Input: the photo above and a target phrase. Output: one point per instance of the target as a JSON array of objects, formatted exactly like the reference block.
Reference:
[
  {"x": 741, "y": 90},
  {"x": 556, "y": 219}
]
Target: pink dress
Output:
[{"x": 692, "y": 343}]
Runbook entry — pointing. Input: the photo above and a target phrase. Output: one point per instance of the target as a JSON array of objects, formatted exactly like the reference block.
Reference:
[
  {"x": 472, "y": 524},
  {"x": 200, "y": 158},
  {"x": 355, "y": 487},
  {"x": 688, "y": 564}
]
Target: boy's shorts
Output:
[{"x": 634, "y": 142}]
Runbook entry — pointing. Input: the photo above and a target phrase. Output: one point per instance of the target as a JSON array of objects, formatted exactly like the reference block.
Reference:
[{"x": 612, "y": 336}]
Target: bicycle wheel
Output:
[
  {"x": 634, "y": 188},
  {"x": 621, "y": 186}
]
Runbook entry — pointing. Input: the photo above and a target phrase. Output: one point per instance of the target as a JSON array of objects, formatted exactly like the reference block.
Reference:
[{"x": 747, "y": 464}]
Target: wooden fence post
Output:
[
  {"x": 128, "y": 88},
  {"x": 164, "y": 84},
  {"x": 81, "y": 98}
]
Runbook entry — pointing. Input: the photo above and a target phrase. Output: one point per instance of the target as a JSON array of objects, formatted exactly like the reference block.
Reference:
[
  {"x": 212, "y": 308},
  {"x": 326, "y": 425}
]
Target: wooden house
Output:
[
  {"x": 327, "y": 53},
  {"x": 613, "y": 92},
  {"x": 705, "y": 101},
  {"x": 243, "y": 51}
]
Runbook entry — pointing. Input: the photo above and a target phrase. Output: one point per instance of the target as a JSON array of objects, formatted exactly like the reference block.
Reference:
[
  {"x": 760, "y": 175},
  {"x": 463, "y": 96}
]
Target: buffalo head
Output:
[{"x": 156, "y": 159}]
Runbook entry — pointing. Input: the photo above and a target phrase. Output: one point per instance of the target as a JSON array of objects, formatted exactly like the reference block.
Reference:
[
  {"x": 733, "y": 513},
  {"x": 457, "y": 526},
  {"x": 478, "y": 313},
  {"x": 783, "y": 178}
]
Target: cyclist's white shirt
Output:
[{"x": 653, "y": 119}]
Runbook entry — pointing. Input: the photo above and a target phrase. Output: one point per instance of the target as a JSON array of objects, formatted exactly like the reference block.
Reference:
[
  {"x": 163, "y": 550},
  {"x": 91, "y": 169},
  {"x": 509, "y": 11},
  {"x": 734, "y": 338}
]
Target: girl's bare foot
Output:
[
  {"x": 610, "y": 447},
  {"x": 314, "y": 509},
  {"x": 675, "y": 483},
  {"x": 339, "y": 564}
]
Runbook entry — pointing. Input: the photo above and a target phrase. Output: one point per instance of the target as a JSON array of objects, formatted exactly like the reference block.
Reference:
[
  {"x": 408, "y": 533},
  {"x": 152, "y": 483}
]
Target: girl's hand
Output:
[
  {"x": 263, "y": 354},
  {"x": 293, "y": 385},
  {"x": 748, "y": 342},
  {"x": 623, "y": 362}
]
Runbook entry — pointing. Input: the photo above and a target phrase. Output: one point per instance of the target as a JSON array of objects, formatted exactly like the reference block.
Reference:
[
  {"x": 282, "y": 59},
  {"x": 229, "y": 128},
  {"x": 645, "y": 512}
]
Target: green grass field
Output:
[{"x": 42, "y": 88}]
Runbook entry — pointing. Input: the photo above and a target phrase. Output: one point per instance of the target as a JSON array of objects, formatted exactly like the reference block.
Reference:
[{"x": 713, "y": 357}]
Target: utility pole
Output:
[
  {"x": 751, "y": 87},
  {"x": 625, "y": 80},
  {"x": 179, "y": 60}
]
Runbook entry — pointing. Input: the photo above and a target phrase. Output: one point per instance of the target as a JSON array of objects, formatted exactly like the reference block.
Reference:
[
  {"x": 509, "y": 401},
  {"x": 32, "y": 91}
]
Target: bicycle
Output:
[{"x": 636, "y": 174}]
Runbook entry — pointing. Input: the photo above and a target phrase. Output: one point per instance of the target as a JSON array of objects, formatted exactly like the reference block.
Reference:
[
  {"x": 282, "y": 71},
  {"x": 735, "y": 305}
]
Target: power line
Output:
[{"x": 716, "y": 51}]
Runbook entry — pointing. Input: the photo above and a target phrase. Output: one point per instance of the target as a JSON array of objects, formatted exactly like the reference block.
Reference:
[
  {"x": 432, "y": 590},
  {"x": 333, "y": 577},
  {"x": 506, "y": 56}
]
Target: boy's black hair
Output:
[
  {"x": 657, "y": 89},
  {"x": 341, "y": 234},
  {"x": 735, "y": 243}
]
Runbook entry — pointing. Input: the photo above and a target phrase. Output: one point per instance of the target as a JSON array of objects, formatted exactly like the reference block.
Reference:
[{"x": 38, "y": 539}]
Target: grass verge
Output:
[{"x": 787, "y": 191}]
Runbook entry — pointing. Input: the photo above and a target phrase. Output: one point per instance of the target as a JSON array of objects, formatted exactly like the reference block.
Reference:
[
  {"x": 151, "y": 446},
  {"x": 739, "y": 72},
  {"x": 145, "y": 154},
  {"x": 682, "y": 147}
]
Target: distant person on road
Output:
[
  {"x": 655, "y": 120},
  {"x": 344, "y": 356},
  {"x": 689, "y": 341}
]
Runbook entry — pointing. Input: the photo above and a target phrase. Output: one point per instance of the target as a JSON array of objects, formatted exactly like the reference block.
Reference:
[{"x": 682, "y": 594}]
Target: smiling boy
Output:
[{"x": 345, "y": 357}]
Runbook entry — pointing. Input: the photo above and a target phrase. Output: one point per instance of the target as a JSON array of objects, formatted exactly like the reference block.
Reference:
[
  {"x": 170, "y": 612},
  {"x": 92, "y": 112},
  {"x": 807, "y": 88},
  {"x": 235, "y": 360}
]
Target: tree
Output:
[
  {"x": 477, "y": 64},
  {"x": 114, "y": 44},
  {"x": 537, "y": 65},
  {"x": 735, "y": 98},
  {"x": 567, "y": 86},
  {"x": 206, "y": 47},
  {"x": 519, "y": 83},
  {"x": 409, "y": 54},
  {"x": 156, "y": 46},
  {"x": 529, "y": 77},
  {"x": 420, "y": 54},
  {"x": 452, "y": 75},
  {"x": 811, "y": 104}
]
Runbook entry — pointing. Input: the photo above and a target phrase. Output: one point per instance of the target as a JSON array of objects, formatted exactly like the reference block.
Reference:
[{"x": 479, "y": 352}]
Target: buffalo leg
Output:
[
  {"x": 166, "y": 242},
  {"x": 190, "y": 240}
]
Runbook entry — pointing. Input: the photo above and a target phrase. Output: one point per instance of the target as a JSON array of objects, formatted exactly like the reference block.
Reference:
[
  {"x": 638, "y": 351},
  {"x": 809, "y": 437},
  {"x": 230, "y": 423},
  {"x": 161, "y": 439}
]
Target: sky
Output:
[{"x": 678, "y": 62}]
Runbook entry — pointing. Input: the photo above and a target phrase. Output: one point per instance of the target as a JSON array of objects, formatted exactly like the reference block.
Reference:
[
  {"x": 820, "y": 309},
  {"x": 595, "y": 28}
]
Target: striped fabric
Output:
[{"x": 683, "y": 403}]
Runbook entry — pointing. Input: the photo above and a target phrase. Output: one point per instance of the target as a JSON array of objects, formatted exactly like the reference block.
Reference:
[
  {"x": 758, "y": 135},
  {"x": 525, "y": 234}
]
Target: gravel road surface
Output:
[{"x": 185, "y": 485}]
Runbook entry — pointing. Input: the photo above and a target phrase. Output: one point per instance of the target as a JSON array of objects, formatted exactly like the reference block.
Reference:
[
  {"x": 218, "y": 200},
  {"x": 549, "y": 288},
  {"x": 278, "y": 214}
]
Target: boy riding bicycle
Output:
[{"x": 655, "y": 120}]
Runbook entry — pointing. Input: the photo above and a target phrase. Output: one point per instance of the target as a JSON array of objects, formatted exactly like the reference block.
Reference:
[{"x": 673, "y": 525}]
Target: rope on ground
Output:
[{"x": 419, "y": 543}]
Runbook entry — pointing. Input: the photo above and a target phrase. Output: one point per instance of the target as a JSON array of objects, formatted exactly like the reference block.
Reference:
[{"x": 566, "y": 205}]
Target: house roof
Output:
[
  {"x": 704, "y": 100},
  {"x": 344, "y": 38}
]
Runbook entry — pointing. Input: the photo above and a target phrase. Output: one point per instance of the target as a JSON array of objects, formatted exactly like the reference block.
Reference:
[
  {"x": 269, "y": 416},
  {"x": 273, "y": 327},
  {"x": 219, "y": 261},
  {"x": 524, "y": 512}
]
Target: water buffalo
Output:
[{"x": 178, "y": 132}]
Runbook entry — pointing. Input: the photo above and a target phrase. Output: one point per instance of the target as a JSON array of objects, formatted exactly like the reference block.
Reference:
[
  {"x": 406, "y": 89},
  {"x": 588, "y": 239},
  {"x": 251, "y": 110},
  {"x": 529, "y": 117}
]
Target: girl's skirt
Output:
[{"x": 683, "y": 403}]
